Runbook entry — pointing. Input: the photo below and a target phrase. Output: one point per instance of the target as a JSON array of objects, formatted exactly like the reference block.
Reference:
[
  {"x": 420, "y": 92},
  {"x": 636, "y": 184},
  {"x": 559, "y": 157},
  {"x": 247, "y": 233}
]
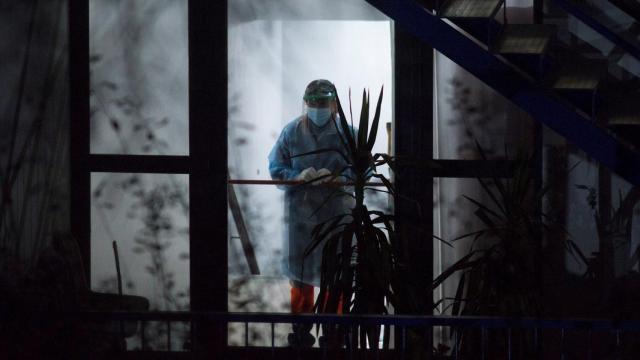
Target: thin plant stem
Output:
[
  {"x": 53, "y": 165},
  {"x": 37, "y": 126},
  {"x": 18, "y": 109}
]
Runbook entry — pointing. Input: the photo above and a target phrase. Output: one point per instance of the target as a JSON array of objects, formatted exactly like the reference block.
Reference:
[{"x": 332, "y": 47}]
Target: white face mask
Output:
[{"x": 319, "y": 116}]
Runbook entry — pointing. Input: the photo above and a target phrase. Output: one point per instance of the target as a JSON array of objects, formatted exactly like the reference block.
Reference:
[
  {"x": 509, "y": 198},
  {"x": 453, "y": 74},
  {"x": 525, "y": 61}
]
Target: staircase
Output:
[
  {"x": 571, "y": 92},
  {"x": 631, "y": 7}
]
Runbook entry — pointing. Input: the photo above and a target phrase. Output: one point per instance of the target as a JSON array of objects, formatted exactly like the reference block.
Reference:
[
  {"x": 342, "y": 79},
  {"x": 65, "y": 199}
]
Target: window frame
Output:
[{"x": 206, "y": 164}]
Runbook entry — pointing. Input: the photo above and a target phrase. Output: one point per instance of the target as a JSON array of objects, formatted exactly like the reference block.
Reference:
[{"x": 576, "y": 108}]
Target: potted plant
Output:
[
  {"x": 360, "y": 262},
  {"x": 610, "y": 269},
  {"x": 501, "y": 274}
]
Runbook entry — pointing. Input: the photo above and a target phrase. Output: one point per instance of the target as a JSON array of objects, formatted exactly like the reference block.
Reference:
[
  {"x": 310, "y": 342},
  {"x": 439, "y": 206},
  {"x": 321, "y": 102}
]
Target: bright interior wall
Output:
[{"x": 274, "y": 52}]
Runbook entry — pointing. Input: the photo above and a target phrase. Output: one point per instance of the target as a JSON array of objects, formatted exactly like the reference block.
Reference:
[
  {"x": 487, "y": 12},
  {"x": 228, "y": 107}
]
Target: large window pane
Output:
[
  {"x": 275, "y": 49},
  {"x": 139, "y": 77},
  {"x": 468, "y": 111},
  {"x": 147, "y": 215}
]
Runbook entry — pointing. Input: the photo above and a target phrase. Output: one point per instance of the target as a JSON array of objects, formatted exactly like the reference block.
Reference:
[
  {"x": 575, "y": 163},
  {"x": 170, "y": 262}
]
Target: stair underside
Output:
[{"x": 470, "y": 8}]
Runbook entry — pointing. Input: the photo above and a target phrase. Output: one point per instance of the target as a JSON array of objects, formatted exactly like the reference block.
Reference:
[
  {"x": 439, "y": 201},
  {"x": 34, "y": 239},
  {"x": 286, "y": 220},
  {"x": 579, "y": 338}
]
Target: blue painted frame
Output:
[
  {"x": 603, "y": 30},
  {"x": 541, "y": 103},
  {"x": 395, "y": 320}
]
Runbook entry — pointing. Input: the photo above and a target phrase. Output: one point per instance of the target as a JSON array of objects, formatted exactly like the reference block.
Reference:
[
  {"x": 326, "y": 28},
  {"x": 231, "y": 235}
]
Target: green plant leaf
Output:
[
  {"x": 335, "y": 193},
  {"x": 442, "y": 240},
  {"x": 363, "y": 126},
  {"x": 492, "y": 196},
  {"x": 474, "y": 233},
  {"x": 346, "y": 130},
  {"x": 322, "y": 151},
  {"x": 496, "y": 181},
  {"x": 323, "y": 231},
  {"x": 374, "y": 124},
  {"x": 381, "y": 217},
  {"x": 575, "y": 250},
  {"x": 386, "y": 182},
  {"x": 463, "y": 263},
  {"x": 386, "y": 160},
  {"x": 377, "y": 190},
  {"x": 345, "y": 173},
  {"x": 483, "y": 207},
  {"x": 482, "y": 215},
  {"x": 459, "y": 293}
]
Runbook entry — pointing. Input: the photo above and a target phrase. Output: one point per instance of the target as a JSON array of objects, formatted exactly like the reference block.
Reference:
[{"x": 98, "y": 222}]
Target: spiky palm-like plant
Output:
[
  {"x": 360, "y": 254},
  {"x": 501, "y": 274}
]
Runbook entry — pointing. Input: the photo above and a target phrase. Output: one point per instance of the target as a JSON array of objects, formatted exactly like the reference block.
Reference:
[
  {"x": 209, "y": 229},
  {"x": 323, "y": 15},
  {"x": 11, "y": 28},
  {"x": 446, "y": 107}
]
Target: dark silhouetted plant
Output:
[
  {"x": 614, "y": 258},
  {"x": 500, "y": 275},
  {"x": 361, "y": 263}
]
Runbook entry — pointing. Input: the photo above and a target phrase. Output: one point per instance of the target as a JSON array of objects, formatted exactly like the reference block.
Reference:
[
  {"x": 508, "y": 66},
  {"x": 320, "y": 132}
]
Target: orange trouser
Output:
[{"x": 302, "y": 298}]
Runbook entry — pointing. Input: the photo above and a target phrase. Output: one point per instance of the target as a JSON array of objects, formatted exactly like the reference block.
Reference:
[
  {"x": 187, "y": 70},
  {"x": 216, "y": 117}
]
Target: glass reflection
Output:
[
  {"x": 274, "y": 53},
  {"x": 139, "y": 77},
  {"x": 147, "y": 215}
]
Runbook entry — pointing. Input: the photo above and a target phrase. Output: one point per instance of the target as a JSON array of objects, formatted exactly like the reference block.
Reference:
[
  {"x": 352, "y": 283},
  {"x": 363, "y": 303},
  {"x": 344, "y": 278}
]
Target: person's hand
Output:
[
  {"x": 325, "y": 174},
  {"x": 340, "y": 179},
  {"x": 307, "y": 174}
]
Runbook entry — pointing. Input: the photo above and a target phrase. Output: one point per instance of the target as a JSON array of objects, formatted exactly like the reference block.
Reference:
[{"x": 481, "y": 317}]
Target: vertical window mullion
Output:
[
  {"x": 208, "y": 178},
  {"x": 79, "y": 128}
]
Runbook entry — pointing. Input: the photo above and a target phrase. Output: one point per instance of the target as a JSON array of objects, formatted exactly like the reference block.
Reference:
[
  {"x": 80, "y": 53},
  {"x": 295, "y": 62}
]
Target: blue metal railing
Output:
[
  {"x": 630, "y": 7},
  {"x": 541, "y": 103},
  {"x": 582, "y": 15},
  {"x": 400, "y": 322},
  {"x": 396, "y": 320}
]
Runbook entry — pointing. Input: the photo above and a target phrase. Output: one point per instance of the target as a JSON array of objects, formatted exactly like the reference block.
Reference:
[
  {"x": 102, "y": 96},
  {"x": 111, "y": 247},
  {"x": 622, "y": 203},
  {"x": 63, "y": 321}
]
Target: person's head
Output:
[{"x": 320, "y": 100}]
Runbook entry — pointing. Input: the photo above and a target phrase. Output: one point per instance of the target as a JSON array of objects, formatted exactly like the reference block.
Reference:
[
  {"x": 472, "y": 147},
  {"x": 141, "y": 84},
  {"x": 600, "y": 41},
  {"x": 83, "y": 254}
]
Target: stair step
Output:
[
  {"x": 627, "y": 126},
  {"x": 576, "y": 81},
  {"x": 625, "y": 112},
  {"x": 470, "y": 8},
  {"x": 580, "y": 75},
  {"x": 524, "y": 39},
  {"x": 628, "y": 119}
]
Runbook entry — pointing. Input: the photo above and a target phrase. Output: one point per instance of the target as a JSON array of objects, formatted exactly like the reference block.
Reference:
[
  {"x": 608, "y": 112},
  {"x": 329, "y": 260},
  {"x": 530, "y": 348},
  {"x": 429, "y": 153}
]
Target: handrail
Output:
[
  {"x": 603, "y": 30},
  {"x": 296, "y": 182}
]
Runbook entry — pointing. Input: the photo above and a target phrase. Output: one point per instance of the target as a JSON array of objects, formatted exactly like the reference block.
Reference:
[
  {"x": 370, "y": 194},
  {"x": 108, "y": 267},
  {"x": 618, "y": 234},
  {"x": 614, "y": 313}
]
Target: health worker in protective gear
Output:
[{"x": 308, "y": 205}]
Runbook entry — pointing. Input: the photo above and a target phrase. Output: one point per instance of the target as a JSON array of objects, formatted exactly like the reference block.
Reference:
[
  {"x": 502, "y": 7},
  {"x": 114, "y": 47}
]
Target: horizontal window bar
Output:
[
  {"x": 295, "y": 182},
  {"x": 472, "y": 168},
  {"x": 440, "y": 168},
  {"x": 152, "y": 164},
  {"x": 187, "y": 164}
]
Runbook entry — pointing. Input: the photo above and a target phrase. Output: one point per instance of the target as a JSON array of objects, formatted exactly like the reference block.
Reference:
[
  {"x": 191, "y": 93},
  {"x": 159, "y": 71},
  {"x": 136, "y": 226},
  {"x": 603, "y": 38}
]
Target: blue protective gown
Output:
[{"x": 298, "y": 137}]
